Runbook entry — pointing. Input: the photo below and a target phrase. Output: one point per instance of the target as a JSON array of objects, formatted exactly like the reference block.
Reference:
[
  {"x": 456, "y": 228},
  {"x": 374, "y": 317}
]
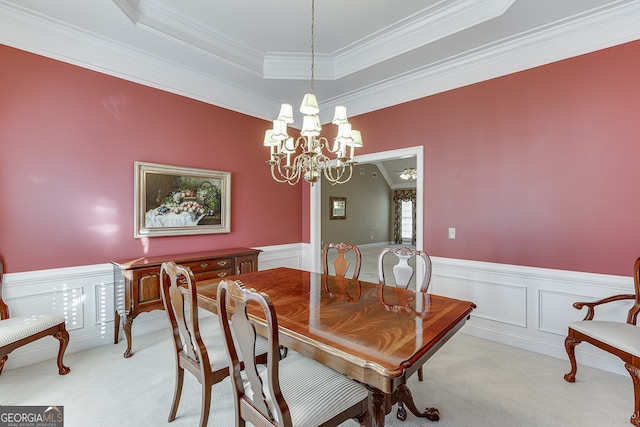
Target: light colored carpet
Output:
[{"x": 473, "y": 382}]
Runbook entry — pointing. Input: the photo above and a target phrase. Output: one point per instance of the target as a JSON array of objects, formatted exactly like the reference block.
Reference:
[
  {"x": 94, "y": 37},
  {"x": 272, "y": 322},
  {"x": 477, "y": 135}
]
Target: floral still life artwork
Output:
[{"x": 173, "y": 200}]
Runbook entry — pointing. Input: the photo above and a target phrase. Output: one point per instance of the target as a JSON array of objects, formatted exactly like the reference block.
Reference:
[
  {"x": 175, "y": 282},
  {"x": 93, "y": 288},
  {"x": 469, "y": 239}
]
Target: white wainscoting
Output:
[
  {"x": 524, "y": 307},
  {"x": 84, "y": 295},
  {"x": 530, "y": 308}
]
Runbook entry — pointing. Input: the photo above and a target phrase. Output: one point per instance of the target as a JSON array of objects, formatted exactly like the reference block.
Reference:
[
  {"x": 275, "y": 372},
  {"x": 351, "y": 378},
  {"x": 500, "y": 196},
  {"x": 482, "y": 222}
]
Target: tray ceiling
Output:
[{"x": 252, "y": 55}]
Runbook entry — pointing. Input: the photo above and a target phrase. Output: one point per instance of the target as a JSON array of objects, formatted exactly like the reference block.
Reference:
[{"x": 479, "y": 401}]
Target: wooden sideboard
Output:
[{"x": 137, "y": 281}]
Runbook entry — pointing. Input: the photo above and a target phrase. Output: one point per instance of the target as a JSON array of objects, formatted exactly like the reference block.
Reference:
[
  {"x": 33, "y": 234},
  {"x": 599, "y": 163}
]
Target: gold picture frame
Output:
[
  {"x": 178, "y": 201},
  {"x": 337, "y": 208}
]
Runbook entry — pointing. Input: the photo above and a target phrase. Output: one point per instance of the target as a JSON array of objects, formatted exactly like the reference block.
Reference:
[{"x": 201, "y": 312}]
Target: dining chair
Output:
[
  {"x": 341, "y": 263},
  {"x": 403, "y": 272},
  {"x": 202, "y": 354},
  {"x": 18, "y": 331},
  {"x": 294, "y": 391},
  {"x": 621, "y": 339}
]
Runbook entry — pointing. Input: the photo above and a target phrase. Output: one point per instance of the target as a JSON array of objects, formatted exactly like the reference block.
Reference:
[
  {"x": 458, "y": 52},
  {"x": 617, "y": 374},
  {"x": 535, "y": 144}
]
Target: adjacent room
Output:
[{"x": 417, "y": 244}]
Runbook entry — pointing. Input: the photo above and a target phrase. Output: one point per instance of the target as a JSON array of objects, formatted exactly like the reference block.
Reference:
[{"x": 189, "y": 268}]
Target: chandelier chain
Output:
[{"x": 313, "y": 48}]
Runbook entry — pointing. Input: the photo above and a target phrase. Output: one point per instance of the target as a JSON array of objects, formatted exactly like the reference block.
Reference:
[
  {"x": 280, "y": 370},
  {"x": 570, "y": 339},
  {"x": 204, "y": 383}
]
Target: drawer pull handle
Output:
[
  {"x": 222, "y": 274},
  {"x": 204, "y": 265},
  {"x": 222, "y": 263}
]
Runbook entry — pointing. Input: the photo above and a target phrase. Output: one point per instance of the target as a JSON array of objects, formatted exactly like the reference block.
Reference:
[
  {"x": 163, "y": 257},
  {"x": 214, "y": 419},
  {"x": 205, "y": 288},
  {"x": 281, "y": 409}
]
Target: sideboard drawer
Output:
[
  {"x": 214, "y": 274},
  {"x": 208, "y": 265}
]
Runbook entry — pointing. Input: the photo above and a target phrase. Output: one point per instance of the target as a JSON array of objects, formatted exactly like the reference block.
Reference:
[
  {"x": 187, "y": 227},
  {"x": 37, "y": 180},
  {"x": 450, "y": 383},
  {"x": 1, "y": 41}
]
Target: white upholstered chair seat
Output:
[
  {"x": 617, "y": 338},
  {"x": 314, "y": 392},
  {"x": 14, "y": 329},
  {"x": 624, "y": 336}
]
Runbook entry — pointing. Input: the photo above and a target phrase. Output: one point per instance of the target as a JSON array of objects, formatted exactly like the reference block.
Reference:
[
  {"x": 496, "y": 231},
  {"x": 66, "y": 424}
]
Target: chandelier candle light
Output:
[{"x": 287, "y": 165}]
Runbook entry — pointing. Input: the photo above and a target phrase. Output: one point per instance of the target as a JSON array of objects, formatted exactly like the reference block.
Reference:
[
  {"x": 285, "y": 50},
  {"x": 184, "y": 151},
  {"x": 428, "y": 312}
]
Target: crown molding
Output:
[
  {"x": 607, "y": 27},
  {"x": 428, "y": 25},
  {"x": 44, "y": 36},
  {"x": 573, "y": 37},
  {"x": 153, "y": 17},
  {"x": 432, "y": 23}
]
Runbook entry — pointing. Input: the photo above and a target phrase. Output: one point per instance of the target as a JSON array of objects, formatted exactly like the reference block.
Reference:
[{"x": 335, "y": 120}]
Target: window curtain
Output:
[{"x": 400, "y": 196}]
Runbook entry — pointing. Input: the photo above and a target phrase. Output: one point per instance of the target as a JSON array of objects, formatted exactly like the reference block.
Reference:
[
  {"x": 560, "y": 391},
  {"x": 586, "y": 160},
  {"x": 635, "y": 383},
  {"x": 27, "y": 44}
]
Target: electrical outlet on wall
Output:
[{"x": 452, "y": 232}]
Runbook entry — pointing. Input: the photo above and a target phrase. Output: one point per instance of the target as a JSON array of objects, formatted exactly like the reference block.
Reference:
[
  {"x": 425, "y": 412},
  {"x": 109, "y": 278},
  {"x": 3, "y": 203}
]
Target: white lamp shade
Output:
[
  {"x": 340, "y": 115},
  {"x": 357, "y": 138},
  {"x": 268, "y": 138},
  {"x": 344, "y": 134},
  {"x": 310, "y": 125},
  {"x": 309, "y": 105},
  {"x": 286, "y": 113},
  {"x": 279, "y": 130}
]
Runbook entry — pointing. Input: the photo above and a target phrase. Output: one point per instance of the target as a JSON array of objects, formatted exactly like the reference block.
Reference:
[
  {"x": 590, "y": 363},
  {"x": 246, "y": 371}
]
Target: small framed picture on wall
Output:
[{"x": 338, "y": 208}]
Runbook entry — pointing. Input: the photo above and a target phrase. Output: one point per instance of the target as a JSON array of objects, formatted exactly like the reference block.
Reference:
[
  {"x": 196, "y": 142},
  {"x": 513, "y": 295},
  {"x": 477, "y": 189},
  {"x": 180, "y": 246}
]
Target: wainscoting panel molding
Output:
[
  {"x": 85, "y": 296},
  {"x": 529, "y": 307},
  {"x": 280, "y": 256},
  {"x": 523, "y": 307},
  {"x": 497, "y": 302}
]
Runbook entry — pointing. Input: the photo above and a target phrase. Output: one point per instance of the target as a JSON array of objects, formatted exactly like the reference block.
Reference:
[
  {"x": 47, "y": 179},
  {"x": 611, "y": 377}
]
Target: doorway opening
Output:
[{"x": 314, "y": 259}]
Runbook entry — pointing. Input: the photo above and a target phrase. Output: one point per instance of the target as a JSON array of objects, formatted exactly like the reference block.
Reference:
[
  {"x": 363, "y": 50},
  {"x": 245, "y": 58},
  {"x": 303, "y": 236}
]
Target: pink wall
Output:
[
  {"x": 68, "y": 141},
  {"x": 538, "y": 168}
]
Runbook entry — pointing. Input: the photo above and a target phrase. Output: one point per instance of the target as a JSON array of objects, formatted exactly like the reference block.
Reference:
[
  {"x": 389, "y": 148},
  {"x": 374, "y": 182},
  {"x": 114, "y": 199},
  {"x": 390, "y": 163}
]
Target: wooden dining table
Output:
[{"x": 378, "y": 335}]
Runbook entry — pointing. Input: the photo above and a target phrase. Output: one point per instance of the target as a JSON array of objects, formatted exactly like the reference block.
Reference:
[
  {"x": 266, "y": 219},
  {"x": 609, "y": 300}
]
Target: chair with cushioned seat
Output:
[
  {"x": 18, "y": 331},
  {"x": 341, "y": 263},
  {"x": 294, "y": 391},
  {"x": 402, "y": 274},
  {"x": 200, "y": 352},
  {"x": 618, "y": 338}
]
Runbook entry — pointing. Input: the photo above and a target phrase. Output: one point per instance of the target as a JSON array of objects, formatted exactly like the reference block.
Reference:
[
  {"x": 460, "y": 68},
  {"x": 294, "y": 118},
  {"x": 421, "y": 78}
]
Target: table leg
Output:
[
  {"x": 378, "y": 407},
  {"x": 403, "y": 395}
]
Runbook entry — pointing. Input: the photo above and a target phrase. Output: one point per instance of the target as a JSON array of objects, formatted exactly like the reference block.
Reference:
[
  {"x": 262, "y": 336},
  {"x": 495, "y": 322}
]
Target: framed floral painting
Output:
[{"x": 175, "y": 201}]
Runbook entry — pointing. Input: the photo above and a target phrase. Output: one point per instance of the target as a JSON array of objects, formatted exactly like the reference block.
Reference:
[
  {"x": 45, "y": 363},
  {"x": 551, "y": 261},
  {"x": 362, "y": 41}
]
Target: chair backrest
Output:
[
  {"x": 179, "y": 292},
  {"x": 4, "y": 309},
  {"x": 341, "y": 263},
  {"x": 635, "y": 308},
  {"x": 253, "y": 406},
  {"x": 402, "y": 271}
]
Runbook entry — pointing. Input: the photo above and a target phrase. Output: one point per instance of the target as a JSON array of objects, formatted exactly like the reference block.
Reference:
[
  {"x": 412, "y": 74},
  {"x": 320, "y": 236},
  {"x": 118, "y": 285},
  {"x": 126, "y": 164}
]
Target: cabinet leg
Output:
[
  {"x": 116, "y": 328},
  {"x": 126, "y": 327}
]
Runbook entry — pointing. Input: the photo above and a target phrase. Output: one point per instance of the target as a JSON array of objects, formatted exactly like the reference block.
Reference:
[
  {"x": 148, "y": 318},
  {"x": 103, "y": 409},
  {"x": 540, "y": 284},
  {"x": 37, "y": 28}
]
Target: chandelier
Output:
[
  {"x": 310, "y": 163},
  {"x": 409, "y": 173}
]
